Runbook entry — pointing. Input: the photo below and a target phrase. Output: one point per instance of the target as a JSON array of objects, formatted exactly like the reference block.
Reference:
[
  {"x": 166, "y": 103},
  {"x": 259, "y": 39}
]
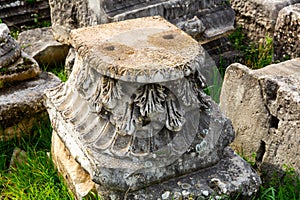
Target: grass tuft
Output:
[
  {"x": 256, "y": 55},
  {"x": 35, "y": 178}
]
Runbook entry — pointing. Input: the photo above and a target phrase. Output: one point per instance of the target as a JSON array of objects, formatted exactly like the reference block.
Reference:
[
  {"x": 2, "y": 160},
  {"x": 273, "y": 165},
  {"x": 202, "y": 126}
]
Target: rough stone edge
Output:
[{"x": 77, "y": 179}]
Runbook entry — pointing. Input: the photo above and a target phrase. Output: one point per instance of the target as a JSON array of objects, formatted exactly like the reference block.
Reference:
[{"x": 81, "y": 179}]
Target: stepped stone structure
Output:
[
  {"x": 203, "y": 20},
  {"x": 40, "y": 44},
  {"x": 264, "y": 108},
  {"x": 132, "y": 121},
  {"x": 21, "y": 87},
  {"x": 16, "y": 13},
  {"x": 287, "y": 34}
]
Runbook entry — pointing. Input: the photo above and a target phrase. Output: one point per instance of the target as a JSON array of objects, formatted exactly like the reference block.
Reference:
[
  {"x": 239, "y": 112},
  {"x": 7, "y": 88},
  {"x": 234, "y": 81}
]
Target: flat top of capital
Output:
[{"x": 144, "y": 50}]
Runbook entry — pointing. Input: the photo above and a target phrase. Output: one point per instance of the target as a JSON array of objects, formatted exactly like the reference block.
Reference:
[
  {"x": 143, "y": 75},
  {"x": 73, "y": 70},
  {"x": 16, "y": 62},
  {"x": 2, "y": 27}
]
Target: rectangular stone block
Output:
[{"x": 264, "y": 108}]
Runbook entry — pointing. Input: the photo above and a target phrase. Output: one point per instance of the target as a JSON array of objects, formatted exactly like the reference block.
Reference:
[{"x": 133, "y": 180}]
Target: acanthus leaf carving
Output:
[
  {"x": 150, "y": 98},
  {"x": 110, "y": 91},
  {"x": 186, "y": 92},
  {"x": 174, "y": 117}
]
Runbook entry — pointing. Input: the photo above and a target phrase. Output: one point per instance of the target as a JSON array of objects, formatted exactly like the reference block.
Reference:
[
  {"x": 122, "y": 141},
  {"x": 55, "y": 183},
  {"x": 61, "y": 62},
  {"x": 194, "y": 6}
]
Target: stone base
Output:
[
  {"x": 22, "y": 103},
  {"x": 231, "y": 176}
]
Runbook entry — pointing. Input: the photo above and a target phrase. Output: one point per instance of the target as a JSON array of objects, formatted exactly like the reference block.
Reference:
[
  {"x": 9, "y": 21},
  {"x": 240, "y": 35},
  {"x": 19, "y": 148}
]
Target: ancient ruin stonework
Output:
[
  {"x": 264, "y": 108},
  {"x": 21, "y": 87},
  {"x": 40, "y": 44},
  {"x": 133, "y": 114},
  {"x": 15, "y": 65},
  {"x": 16, "y": 13},
  {"x": 202, "y": 19},
  {"x": 258, "y": 17},
  {"x": 287, "y": 34}
]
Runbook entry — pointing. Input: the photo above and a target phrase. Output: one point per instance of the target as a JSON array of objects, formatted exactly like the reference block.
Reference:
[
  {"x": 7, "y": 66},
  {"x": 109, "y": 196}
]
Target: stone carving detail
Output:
[{"x": 133, "y": 112}]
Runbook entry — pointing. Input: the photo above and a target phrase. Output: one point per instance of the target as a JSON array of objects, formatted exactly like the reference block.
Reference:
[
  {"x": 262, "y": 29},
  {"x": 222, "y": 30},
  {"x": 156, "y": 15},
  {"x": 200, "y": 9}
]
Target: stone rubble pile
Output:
[{"x": 21, "y": 87}]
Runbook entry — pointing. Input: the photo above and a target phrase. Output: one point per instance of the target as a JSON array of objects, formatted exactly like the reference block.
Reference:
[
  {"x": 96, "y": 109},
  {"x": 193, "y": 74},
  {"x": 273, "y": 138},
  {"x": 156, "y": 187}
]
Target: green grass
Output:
[
  {"x": 36, "y": 177},
  {"x": 58, "y": 71},
  {"x": 256, "y": 55}
]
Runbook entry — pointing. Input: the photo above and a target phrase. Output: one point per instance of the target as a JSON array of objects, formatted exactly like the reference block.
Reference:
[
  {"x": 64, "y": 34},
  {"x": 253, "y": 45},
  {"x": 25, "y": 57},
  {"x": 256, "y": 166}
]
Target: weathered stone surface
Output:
[
  {"x": 21, "y": 103},
  {"x": 287, "y": 34},
  {"x": 40, "y": 44},
  {"x": 16, "y": 13},
  {"x": 202, "y": 19},
  {"x": 264, "y": 108},
  {"x": 76, "y": 177},
  {"x": 18, "y": 157},
  {"x": 133, "y": 112},
  {"x": 15, "y": 65},
  {"x": 258, "y": 17}
]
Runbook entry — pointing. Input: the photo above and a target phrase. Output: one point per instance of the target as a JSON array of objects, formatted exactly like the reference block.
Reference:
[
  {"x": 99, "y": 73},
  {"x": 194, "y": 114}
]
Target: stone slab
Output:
[
  {"x": 287, "y": 34},
  {"x": 40, "y": 44},
  {"x": 21, "y": 103},
  {"x": 264, "y": 108}
]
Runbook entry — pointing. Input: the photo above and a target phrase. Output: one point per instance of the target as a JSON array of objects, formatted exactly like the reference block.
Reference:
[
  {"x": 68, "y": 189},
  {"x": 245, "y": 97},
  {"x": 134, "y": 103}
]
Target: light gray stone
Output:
[
  {"x": 40, "y": 44},
  {"x": 133, "y": 114},
  {"x": 264, "y": 108},
  {"x": 287, "y": 33},
  {"x": 258, "y": 17},
  {"x": 203, "y": 19}
]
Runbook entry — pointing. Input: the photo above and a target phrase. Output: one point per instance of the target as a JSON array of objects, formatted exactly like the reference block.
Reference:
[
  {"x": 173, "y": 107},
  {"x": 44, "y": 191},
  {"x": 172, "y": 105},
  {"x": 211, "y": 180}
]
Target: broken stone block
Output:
[
  {"x": 202, "y": 19},
  {"x": 15, "y": 65},
  {"x": 264, "y": 108},
  {"x": 21, "y": 87},
  {"x": 40, "y": 44},
  {"x": 21, "y": 104},
  {"x": 258, "y": 17},
  {"x": 133, "y": 114},
  {"x": 287, "y": 33}
]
